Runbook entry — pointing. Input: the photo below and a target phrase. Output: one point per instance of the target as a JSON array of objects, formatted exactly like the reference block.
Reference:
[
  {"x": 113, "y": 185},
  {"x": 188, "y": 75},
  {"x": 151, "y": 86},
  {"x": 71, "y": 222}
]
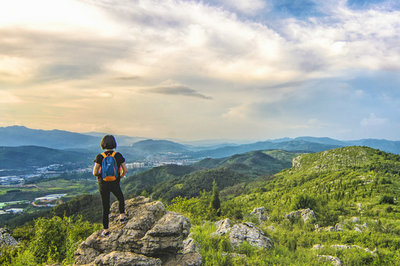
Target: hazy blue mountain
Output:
[
  {"x": 159, "y": 146},
  {"x": 122, "y": 140},
  {"x": 135, "y": 150},
  {"x": 381, "y": 144},
  {"x": 293, "y": 145},
  {"x": 57, "y": 139},
  {"x": 23, "y": 157},
  {"x": 328, "y": 141}
]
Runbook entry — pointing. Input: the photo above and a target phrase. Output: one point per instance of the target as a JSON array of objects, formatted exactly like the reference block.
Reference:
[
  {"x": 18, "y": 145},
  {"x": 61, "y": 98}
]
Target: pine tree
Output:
[{"x": 215, "y": 203}]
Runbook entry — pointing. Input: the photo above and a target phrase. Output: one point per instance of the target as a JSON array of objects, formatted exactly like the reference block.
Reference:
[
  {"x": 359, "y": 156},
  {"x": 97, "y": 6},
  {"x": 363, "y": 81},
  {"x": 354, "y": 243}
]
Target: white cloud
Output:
[
  {"x": 61, "y": 16},
  {"x": 373, "y": 121},
  {"x": 249, "y": 7},
  {"x": 345, "y": 39},
  {"x": 84, "y": 54}
]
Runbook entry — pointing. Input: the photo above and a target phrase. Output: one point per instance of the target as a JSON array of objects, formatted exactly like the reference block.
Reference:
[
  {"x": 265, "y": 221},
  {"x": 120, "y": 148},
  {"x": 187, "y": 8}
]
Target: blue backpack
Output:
[{"x": 109, "y": 168}]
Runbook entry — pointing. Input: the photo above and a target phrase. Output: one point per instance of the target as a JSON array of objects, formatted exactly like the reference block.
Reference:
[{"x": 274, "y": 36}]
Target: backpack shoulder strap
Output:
[
  {"x": 113, "y": 154},
  {"x": 104, "y": 155}
]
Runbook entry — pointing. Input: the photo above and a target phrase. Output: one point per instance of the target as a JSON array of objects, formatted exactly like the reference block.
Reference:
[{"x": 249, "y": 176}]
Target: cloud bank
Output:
[{"x": 271, "y": 68}]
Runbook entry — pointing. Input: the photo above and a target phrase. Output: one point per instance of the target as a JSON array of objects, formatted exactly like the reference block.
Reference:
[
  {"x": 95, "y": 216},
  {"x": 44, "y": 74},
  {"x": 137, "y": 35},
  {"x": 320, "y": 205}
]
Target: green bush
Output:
[
  {"x": 54, "y": 240},
  {"x": 386, "y": 199},
  {"x": 303, "y": 201}
]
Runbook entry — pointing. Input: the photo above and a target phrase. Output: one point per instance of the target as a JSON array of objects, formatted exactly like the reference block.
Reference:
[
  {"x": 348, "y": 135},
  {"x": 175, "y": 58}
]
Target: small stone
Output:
[
  {"x": 318, "y": 247},
  {"x": 261, "y": 214},
  {"x": 270, "y": 228},
  {"x": 334, "y": 260}
]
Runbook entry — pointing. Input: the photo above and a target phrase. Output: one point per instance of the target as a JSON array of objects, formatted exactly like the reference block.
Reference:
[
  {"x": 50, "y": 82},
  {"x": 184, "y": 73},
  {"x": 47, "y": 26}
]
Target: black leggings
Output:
[{"x": 105, "y": 188}]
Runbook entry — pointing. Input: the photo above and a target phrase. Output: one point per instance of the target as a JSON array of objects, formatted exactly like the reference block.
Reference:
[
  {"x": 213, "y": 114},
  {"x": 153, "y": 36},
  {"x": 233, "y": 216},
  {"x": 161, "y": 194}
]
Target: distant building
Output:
[
  {"x": 50, "y": 197},
  {"x": 15, "y": 210}
]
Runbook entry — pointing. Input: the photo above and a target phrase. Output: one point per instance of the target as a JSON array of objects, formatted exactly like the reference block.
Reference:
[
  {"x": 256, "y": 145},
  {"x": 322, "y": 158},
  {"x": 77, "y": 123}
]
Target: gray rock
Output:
[
  {"x": 339, "y": 227},
  {"x": 318, "y": 247},
  {"x": 126, "y": 259},
  {"x": 341, "y": 246},
  {"x": 223, "y": 227},
  {"x": 334, "y": 260},
  {"x": 190, "y": 246},
  {"x": 189, "y": 259},
  {"x": 239, "y": 233},
  {"x": 261, "y": 214},
  {"x": 357, "y": 228},
  {"x": 355, "y": 246},
  {"x": 6, "y": 238},
  {"x": 270, "y": 228},
  {"x": 151, "y": 233},
  {"x": 250, "y": 233},
  {"x": 305, "y": 214},
  {"x": 166, "y": 236}
]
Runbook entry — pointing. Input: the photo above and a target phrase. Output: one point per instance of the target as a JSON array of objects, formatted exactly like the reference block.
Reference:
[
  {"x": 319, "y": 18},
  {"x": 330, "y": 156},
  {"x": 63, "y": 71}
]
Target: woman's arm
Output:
[
  {"x": 124, "y": 170},
  {"x": 96, "y": 169}
]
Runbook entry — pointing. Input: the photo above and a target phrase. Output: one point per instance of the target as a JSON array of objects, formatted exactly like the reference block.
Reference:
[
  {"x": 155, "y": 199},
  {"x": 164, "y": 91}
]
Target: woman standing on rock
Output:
[{"x": 109, "y": 168}]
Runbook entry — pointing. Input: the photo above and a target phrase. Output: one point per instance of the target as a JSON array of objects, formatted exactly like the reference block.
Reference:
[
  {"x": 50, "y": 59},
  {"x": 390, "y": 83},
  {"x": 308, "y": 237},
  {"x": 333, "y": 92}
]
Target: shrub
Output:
[
  {"x": 386, "y": 199},
  {"x": 303, "y": 201}
]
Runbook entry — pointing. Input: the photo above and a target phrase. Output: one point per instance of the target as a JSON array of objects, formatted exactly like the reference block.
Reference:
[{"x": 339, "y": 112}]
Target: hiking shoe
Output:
[
  {"x": 123, "y": 220},
  {"x": 105, "y": 234}
]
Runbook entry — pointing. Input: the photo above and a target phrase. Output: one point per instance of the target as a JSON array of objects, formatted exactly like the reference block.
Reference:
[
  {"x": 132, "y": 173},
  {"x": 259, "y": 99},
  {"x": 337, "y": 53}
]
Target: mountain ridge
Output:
[{"x": 61, "y": 139}]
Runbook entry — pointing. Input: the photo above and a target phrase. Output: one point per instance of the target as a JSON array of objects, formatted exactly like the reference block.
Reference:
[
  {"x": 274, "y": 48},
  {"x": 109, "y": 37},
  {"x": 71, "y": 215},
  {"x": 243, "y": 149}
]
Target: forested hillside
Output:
[
  {"x": 170, "y": 181},
  {"x": 353, "y": 192},
  {"x": 350, "y": 196}
]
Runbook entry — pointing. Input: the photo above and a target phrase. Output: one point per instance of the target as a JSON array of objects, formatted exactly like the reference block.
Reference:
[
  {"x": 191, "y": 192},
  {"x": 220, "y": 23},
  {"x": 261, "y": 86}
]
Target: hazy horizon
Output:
[
  {"x": 202, "y": 70},
  {"x": 214, "y": 141}
]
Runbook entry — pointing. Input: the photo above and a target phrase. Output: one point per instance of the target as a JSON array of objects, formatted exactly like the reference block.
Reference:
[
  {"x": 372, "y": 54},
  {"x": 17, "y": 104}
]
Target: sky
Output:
[{"x": 210, "y": 69}]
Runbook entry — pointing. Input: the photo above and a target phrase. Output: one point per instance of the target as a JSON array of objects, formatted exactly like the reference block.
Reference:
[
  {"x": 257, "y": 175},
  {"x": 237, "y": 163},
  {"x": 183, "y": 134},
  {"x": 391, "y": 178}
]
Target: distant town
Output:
[{"x": 22, "y": 179}]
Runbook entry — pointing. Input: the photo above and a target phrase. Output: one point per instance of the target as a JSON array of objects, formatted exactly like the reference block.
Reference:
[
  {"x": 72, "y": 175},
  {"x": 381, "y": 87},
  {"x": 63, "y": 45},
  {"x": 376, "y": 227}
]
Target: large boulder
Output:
[
  {"x": 152, "y": 236},
  {"x": 239, "y": 233}
]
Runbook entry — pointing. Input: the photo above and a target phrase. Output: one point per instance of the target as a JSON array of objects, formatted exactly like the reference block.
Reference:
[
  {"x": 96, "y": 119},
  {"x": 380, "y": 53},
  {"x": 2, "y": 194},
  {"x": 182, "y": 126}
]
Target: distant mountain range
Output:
[
  {"x": 24, "y": 157},
  {"x": 56, "y": 139},
  {"x": 138, "y": 148}
]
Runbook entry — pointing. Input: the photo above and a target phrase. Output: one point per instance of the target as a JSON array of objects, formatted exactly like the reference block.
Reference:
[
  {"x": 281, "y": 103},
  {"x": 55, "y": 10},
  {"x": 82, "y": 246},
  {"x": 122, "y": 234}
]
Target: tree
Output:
[{"x": 215, "y": 203}]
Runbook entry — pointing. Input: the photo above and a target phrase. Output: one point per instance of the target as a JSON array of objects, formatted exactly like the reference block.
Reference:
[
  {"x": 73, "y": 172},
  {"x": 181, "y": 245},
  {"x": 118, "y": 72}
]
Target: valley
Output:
[{"x": 350, "y": 195}]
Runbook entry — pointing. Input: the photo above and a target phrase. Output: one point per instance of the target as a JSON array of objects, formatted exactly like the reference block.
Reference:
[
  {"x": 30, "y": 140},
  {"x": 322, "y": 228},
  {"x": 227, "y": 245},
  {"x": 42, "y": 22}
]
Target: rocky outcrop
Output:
[
  {"x": 305, "y": 214},
  {"x": 239, "y": 233},
  {"x": 261, "y": 214},
  {"x": 152, "y": 236},
  {"x": 6, "y": 238}
]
